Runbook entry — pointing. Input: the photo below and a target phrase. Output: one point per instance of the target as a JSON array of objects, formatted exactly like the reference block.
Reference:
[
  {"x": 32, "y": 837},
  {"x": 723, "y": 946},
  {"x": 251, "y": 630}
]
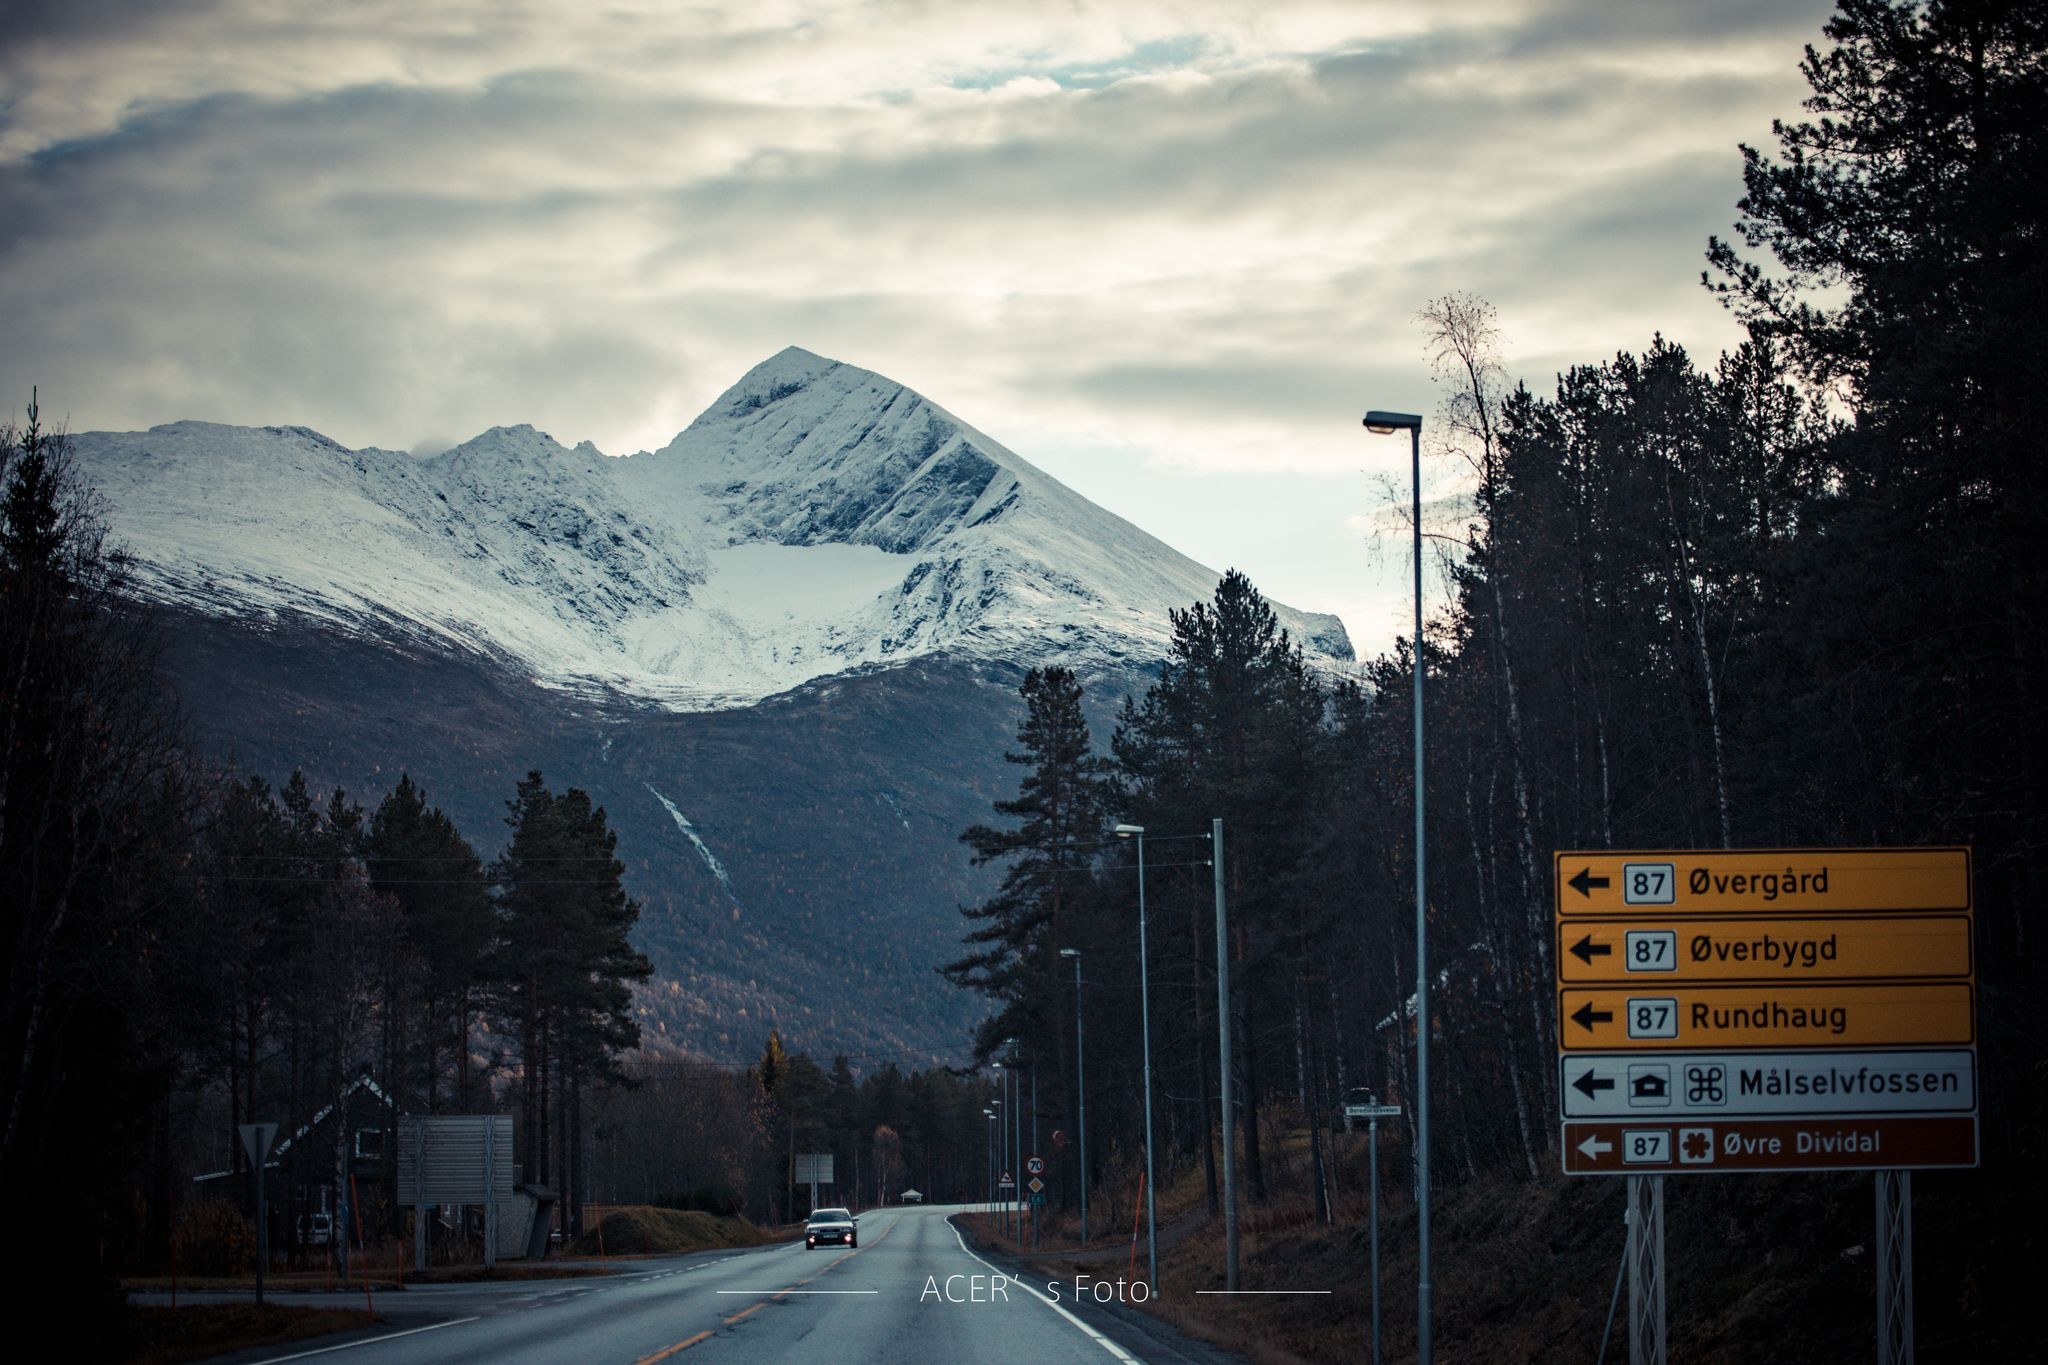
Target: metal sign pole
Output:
[
  {"x": 1646, "y": 1270},
  {"x": 1894, "y": 1268},
  {"x": 256, "y": 1140},
  {"x": 419, "y": 1207},
  {"x": 1223, "y": 1050},
  {"x": 490, "y": 1192},
  {"x": 262, "y": 1233},
  {"x": 1372, "y": 1138},
  {"x": 1081, "y": 1091}
]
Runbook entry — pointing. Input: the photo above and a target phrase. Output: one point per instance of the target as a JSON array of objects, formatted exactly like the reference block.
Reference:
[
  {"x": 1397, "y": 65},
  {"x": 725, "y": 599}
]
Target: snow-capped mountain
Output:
[
  {"x": 782, "y": 652},
  {"x": 816, "y": 519}
]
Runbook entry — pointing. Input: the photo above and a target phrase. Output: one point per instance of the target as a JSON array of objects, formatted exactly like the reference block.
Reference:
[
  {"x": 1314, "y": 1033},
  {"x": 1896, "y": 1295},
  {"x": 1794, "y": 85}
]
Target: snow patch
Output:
[
  {"x": 894, "y": 805},
  {"x": 690, "y": 832}
]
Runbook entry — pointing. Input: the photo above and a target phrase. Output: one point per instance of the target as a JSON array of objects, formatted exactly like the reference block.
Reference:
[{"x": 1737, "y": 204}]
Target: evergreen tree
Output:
[
  {"x": 92, "y": 822},
  {"x": 415, "y": 855},
  {"x": 1908, "y": 244},
  {"x": 1061, "y": 804},
  {"x": 564, "y": 967}
]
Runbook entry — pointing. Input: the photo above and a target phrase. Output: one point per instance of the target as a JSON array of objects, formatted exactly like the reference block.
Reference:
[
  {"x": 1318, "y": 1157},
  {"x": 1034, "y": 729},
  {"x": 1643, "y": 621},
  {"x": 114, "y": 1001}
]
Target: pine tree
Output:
[
  {"x": 415, "y": 855},
  {"x": 564, "y": 966},
  {"x": 1062, "y": 805}
]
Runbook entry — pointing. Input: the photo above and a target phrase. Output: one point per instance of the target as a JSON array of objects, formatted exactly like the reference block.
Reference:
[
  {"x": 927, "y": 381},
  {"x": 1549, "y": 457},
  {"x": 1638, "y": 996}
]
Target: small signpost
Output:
[
  {"x": 256, "y": 1140},
  {"x": 1372, "y": 1111},
  {"x": 1766, "y": 1010}
]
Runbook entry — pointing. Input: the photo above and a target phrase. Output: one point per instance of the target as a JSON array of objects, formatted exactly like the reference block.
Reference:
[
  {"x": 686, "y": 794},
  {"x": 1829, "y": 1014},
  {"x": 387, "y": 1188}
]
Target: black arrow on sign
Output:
[
  {"x": 1591, "y": 1084},
  {"x": 1586, "y": 1016},
  {"x": 1585, "y": 950},
  {"x": 1585, "y": 881}
]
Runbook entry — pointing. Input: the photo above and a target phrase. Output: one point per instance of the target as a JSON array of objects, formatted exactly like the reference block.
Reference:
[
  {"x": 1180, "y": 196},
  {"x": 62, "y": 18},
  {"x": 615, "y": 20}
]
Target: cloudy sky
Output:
[{"x": 1167, "y": 249}]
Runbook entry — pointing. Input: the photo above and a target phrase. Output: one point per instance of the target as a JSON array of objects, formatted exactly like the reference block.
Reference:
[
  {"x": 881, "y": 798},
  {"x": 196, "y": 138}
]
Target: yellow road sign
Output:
[
  {"x": 1883, "y": 1014},
  {"x": 1762, "y": 881},
  {"x": 1673, "y": 947}
]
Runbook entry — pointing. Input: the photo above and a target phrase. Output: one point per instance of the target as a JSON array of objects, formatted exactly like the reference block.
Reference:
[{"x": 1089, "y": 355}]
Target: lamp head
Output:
[
  {"x": 1126, "y": 831},
  {"x": 1070, "y": 952},
  {"x": 1387, "y": 423}
]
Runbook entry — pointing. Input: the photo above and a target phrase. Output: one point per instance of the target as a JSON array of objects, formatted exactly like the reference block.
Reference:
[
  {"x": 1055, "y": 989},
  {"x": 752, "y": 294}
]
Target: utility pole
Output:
[
  {"x": 1081, "y": 1074},
  {"x": 1145, "y": 1024},
  {"x": 1223, "y": 1018}
]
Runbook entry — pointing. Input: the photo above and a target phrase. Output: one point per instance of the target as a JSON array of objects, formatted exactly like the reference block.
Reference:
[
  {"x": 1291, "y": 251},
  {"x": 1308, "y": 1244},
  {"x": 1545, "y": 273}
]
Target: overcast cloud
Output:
[{"x": 1169, "y": 251}]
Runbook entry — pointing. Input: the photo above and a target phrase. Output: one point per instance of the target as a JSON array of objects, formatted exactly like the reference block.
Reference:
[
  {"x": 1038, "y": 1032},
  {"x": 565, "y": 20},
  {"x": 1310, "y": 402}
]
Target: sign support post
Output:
[
  {"x": 490, "y": 1199},
  {"x": 1732, "y": 1010},
  {"x": 1894, "y": 1268},
  {"x": 1372, "y": 1111},
  {"x": 419, "y": 1207},
  {"x": 1372, "y": 1148},
  {"x": 1646, "y": 1270},
  {"x": 1223, "y": 1051},
  {"x": 256, "y": 1140}
]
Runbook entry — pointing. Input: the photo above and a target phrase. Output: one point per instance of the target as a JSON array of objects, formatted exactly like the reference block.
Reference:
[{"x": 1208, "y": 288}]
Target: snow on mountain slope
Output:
[{"x": 816, "y": 518}]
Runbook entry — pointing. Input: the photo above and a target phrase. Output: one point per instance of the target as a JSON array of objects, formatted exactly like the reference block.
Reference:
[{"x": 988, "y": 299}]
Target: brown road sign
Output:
[
  {"x": 1701, "y": 1018},
  {"x": 1705, "y": 1146},
  {"x": 1671, "y": 947},
  {"x": 1762, "y": 881}
]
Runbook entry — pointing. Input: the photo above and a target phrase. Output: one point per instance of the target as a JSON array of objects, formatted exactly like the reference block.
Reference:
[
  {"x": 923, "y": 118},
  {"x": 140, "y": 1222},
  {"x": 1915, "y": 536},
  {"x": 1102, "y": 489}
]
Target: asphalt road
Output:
[{"x": 910, "y": 1292}]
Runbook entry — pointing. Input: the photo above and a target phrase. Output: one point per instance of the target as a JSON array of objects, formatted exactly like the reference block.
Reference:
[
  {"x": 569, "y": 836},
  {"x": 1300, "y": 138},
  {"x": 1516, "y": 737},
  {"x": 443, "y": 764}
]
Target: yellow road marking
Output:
[
  {"x": 664, "y": 1354},
  {"x": 777, "y": 1296}
]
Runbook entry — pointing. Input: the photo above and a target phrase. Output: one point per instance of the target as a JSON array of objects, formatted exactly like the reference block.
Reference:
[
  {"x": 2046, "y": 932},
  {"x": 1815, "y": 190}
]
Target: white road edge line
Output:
[
  {"x": 371, "y": 1341},
  {"x": 1100, "y": 1340}
]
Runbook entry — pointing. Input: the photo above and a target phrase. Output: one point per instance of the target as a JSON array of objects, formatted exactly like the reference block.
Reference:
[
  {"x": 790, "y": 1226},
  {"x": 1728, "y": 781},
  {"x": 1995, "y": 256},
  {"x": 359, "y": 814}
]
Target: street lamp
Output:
[
  {"x": 990, "y": 1115},
  {"x": 1016, "y": 1122},
  {"x": 1145, "y": 1021},
  {"x": 1002, "y": 1204},
  {"x": 1081, "y": 1078},
  {"x": 1386, "y": 424}
]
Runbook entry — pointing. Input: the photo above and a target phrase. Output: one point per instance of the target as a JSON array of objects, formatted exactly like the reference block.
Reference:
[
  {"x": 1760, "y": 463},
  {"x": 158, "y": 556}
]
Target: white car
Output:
[{"x": 830, "y": 1227}]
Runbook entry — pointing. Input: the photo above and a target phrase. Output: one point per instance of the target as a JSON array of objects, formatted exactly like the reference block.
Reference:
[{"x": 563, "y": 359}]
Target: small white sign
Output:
[
  {"x": 1649, "y": 883},
  {"x": 1650, "y": 950},
  {"x": 1652, "y": 1016},
  {"x": 1646, "y": 1146}
]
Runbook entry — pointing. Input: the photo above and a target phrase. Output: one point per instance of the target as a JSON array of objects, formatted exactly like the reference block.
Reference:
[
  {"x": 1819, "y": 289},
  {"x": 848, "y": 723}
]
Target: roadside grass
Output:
[
  {"x": 164, "y": 1336},
  {"x": 1757, "y": 1267},
  {"x": 643, "y": 1230}
]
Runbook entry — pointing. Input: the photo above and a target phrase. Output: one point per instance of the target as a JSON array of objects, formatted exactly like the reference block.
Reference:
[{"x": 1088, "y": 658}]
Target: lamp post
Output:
[
  {"x": 990, "y": 1115},
  {"x": 1386, "y": 424},
  {"x": 1145, "y": 1023},
  {"x": 1036, "y": 1195},
  {"x": 1081, "y": 1084},
  {"x": 1002, "y": 1167},
  {"x": 1016, "y": 1122}
]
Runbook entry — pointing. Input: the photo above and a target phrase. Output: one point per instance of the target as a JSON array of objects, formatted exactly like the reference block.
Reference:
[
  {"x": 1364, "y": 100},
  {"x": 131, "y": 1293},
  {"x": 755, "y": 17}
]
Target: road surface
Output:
[{"x": 911, "y": 1292}]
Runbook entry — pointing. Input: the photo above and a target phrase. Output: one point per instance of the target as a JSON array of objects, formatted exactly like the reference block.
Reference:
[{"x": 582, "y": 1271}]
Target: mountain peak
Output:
[
  {"x": 789, "y": 371},
  {"x": 817, "y": 519}
]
